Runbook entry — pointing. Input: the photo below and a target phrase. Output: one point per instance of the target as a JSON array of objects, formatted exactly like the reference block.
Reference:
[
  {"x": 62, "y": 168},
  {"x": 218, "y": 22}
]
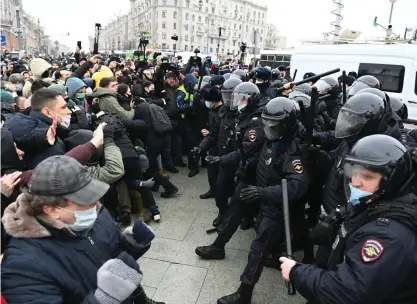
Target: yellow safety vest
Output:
[{"x": 187, "y": 97}]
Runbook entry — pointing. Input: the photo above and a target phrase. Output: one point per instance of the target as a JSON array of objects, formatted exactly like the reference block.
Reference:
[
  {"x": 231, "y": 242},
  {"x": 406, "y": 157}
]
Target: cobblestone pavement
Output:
[{"x": 173, "y": 273}]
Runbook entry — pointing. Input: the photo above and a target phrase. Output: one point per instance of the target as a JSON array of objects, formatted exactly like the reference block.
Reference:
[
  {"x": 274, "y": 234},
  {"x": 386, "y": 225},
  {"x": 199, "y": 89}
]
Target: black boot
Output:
[
  {"x": 170, "y": 190},
  {"x": 211, "y": 252},
  {"x": 193, "y": 173},
  {"x": 207, "y": 195},
  {"x": 247, "y": 223},
  {"x": 171, "y": 169},
  {"x": 217, "y": 221},
  {"x": 140, "y": 297},
  {"x": 242, "y": 296},
  {"x": 272, "y": 261},
  {"x": 125, "y": 219},
  {"x": 180, "y": 164}
]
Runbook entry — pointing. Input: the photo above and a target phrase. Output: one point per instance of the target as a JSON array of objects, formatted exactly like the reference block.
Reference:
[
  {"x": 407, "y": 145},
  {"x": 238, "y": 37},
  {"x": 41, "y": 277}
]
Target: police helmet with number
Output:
[{"x": 279, "y": 118}]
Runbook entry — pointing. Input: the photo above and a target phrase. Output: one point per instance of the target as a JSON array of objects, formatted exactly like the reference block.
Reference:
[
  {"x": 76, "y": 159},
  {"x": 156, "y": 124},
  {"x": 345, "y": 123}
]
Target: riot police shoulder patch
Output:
[
  {"x": 252, "y": 135},
  {"x": 371, "y": 250},
  {"x": 297, "y": 165}
]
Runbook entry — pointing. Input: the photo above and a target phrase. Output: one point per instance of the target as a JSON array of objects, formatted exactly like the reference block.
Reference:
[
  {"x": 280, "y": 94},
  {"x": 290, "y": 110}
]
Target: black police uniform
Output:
[
  {"x": 208, "y": 144},
  {"x": 373, "y": 257}
]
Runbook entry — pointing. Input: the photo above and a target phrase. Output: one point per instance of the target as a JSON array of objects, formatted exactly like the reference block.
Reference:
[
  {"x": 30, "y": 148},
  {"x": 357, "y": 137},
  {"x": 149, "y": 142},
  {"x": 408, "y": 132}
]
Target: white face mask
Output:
[
  {"x": 84, "y": 219},
  {"x": 65, "y": 121}
]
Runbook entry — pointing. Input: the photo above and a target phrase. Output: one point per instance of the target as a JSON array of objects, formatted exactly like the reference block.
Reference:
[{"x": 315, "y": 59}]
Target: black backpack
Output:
[{"x": 160, "y": 120}]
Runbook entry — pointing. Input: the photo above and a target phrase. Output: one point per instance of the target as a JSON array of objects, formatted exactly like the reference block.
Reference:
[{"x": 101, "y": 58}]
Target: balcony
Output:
[
  {"x": 215, "y": 34},
  {"x": 6, "y": 23},
  {"x": 200, "y": 33}
]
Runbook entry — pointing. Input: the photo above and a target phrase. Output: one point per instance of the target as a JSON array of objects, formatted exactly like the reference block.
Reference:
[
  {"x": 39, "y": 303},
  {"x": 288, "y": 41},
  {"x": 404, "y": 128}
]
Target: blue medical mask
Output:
[
  {"x": 356, "y": 194},
  {"x": 84, "y": 219},
  {"x": 209, "y": 105},
  {"x": 240, "y": 108}
]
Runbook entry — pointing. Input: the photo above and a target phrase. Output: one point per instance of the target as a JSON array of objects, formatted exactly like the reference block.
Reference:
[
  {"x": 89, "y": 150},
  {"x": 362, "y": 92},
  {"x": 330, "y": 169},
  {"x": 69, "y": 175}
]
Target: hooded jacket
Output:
[
  {"x": 109, "y": 103},
  {"x": 45, "y": 262},
  {"x": 38, "y": 66}
]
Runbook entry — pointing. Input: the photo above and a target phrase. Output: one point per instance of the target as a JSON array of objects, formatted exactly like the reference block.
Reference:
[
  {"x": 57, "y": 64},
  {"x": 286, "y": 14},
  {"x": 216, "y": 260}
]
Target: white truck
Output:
[{"x": 395, "y": 65}]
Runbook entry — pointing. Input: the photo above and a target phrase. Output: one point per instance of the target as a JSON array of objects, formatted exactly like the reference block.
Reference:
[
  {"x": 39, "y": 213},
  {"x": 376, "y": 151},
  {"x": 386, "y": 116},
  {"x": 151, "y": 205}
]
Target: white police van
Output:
[{"x": 394, "y": 64}]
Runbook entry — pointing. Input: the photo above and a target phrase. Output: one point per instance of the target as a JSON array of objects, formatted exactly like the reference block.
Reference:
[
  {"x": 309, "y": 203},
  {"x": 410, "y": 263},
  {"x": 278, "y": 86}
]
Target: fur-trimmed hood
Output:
[{"x": 19, "y": 224}]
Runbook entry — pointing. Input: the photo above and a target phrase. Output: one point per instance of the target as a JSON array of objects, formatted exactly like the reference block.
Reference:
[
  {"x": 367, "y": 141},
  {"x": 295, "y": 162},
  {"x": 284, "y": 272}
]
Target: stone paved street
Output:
[{"x": 173, "y": 273}]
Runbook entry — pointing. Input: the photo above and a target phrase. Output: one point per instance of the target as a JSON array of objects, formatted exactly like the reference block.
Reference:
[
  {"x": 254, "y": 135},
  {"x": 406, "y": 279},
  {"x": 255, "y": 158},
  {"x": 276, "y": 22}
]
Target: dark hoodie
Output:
[{"x": 10, "y": 162}]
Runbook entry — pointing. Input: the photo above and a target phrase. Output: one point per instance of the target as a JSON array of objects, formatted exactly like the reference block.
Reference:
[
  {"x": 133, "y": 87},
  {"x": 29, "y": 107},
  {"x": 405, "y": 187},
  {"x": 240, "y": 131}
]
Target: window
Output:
[
  {"x": 390, "y": 76},
  {"x": 207, "y": 1},
  {"x": 199, "y": 18},
  {"x": 192, "y": 39},
  {"x": 174, "y": 26},
  {"x": 188, "y": 3},
  {"x": 192, "y": 28},
  {"x": 235, "y": 25},
  {"x": 186, "y": 48},
  {"x": 175, "y": 3},
  {"x": 259, "y": 15},
  {"x": 205, "y": 49},
  {"x": 175, "y": 15},
  {"x": 164, "y": 14},
  {"x": 211, "y": 40},
  {"x": 213, "y": 10},
  {"x": 164, "y": 35},
  {"x": 186, "y": 27},
  {"x": 240, "y": 26},
  {"x": 192, "y": 18},
  {"x": 212, "y": 21},
  {"x": 206, "y": 20},
  {"x": 187, "y": 16},
  {"x": 263, "y": 15},
  {"x": 186, "y": 38},
  {"x": 206, "y": 9},
  {"x": 211, "y": 50},
  {"x": 164, "y": 25},
  {"x": 164, "y": 46}
]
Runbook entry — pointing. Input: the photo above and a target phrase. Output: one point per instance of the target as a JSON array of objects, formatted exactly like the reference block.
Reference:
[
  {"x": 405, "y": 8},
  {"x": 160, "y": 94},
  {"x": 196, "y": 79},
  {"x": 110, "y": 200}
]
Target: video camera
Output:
[{"x": 196, "y": 60}]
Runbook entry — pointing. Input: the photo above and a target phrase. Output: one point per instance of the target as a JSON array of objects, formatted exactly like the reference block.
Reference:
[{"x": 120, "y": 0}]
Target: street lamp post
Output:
[
  {"x": 19, "y": 30},
  {"x": 392, "y": 8},
  {"x": 218, "y": 45}
]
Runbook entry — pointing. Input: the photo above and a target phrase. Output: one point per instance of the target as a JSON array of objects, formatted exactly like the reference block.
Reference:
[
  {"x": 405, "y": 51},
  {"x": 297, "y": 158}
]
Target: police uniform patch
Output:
[
  {"x": 252, "y": 135},
  {"x": 371, "y": 250},
  {"x": 297, "y": 165}
]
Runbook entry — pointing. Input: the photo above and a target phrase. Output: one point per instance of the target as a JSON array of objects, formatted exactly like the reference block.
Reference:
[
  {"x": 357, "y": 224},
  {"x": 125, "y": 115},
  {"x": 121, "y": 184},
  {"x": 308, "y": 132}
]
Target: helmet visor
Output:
[
  {"x": 273, "y": 129},
  {"x": 356, "y": 87},
  {"x": 239, "y": 98},
  {"x": 294, "y": 94},
  {"x": 322, "y": 86},
  {"x": 349, "y": 123},
  {"x": 227, "y": 97}
]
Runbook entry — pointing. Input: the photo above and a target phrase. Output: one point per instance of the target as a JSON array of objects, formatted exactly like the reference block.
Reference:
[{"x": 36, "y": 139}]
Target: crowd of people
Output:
[{"x": 87, "y": 141}]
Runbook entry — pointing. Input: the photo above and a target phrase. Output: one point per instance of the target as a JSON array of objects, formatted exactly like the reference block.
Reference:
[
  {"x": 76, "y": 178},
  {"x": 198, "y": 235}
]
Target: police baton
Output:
[
  {"x": 344, "y": 97},
  {"x": 295, "y": 74},
  {"x": 290, "y": 285},
  {"x": 312, "y": 114},
  {"x": 312, "y": 78}
]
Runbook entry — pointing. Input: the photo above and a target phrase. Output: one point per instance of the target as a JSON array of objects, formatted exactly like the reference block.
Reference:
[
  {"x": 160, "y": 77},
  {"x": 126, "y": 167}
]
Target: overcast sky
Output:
[{"x": 296, "y": 19}]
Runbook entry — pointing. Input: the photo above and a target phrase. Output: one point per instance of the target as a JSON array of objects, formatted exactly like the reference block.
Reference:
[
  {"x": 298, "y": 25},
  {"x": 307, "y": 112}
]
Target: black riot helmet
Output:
[
  {"x": 279, "y": 118},
  {"x": 303, "y": 88},
  {"x": 275, "y": 74},
  {"x": 382, "y": 154},
  {"x": 262, "y": 75},
  {"x": 245, "y": 96},
  {"x": 364, "y": 82},
  {"x": 303, "y": 98},
  {"x": 241, "y": 74},
  {"x": 328, "y": 85},
  {"x": 227, "y": 90},
  {"x": 399, "y": 107},
  {"x": 227, "y": 76},
  {"x": 362, "y": 115}
]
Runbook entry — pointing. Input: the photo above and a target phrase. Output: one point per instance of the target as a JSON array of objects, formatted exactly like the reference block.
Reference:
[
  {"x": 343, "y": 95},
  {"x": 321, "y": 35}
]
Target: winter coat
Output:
[
  {"x": 45, "y": 262},
  {"x": 38, "y": 66},
  {"x": 113, "y": 169},
  {"x": 29, "y": 134},
  {"x": 109, "y": 103}
]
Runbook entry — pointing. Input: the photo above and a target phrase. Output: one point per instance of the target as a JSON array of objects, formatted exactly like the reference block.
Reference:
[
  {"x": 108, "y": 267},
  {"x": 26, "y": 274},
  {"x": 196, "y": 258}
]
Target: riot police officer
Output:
[
  {"x": 241, "y": 74},
  {"x": 373, "y": 258},
  {"x": 263, "y": 82},
  {"x": 243, "y": 101},
  {"x": 280, "y": 158},
  {"x": 329, "y": 86},
  {"x": 213, "y": 101}
]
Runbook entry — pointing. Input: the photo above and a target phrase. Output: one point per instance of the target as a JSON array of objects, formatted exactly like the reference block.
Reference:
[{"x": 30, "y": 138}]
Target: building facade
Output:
[
  {"x": 272, "y": 38},
  {"x": 195, "y": 22}
]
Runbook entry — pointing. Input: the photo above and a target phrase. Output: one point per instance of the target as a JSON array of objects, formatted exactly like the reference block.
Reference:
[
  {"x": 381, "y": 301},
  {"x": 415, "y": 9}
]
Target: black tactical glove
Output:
[
  {"x": 108, "y": 131},
  {"x": 213, "y": 159},
  {"x": 325, "y": 231},
  {"x": 251, "y": 194}
]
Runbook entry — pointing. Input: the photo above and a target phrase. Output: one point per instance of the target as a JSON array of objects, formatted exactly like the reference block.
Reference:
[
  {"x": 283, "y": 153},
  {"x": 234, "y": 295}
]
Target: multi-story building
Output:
[
  {"x": 8, "y": 23},
  {"x": 272, "y": 39},
  {"x": 196, "y": 23},
  {"x": 115, "y": 35}
]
